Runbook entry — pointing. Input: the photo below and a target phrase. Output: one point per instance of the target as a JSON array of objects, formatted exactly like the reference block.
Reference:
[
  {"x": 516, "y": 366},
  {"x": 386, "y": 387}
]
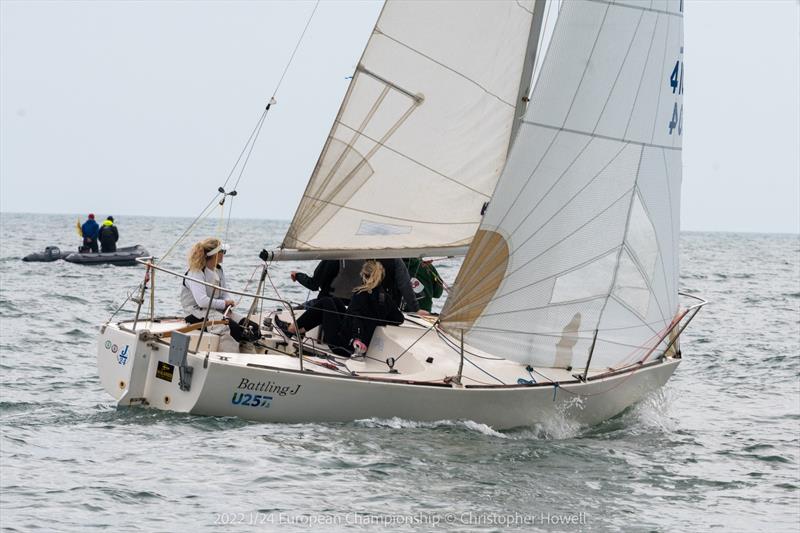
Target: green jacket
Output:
[{"x": 426, "y": 274}]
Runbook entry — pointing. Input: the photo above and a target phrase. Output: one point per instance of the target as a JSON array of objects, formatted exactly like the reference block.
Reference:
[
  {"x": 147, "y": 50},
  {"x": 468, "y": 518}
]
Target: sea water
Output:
[{"x": 716, "y": 448}]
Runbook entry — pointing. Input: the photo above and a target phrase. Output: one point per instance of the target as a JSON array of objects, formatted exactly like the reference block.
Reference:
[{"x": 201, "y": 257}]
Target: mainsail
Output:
[
  {"x": 423, "y": 132},
  {"x": 575, "y": 263}
]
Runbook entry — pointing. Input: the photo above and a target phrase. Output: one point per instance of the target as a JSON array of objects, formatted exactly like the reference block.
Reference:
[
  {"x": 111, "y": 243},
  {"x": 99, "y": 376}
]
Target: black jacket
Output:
[
  {"x": 322, "y": 278},
  {"x": 108, "y": 237},
  {"x": 397, "y": 281},
  {"x": 369, "y": 310}
]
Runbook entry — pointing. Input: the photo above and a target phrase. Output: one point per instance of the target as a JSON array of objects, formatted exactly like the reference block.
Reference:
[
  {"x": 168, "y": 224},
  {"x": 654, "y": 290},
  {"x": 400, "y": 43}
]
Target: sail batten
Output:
[{"x": 424, "y": 129}]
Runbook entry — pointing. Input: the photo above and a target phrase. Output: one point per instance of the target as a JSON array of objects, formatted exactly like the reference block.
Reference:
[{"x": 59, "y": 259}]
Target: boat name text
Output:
[{"x": 269, "y": 386}]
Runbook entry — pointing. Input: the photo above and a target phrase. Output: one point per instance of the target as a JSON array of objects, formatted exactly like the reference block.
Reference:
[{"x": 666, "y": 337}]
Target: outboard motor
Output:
[{"x": 51, "y": 253}]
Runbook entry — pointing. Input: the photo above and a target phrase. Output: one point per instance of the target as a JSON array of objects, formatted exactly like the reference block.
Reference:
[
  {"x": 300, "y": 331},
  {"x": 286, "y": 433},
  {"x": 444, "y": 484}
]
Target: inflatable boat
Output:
[{"x": 122, "y": 257}]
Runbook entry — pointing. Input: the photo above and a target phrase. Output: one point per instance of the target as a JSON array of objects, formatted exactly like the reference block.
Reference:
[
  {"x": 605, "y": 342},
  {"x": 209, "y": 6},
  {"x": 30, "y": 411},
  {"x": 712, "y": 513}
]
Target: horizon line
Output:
[{"x": 287, "y": 221}]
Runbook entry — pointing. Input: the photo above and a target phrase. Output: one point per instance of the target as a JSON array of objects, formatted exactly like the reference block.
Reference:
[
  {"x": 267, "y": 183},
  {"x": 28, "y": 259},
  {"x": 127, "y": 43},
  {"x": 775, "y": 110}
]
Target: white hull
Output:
[{"x": 271, "y": 387}]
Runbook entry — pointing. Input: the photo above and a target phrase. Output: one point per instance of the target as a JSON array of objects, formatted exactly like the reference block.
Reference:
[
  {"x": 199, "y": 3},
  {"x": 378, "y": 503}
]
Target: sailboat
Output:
[{"x": 540, "y": 138}]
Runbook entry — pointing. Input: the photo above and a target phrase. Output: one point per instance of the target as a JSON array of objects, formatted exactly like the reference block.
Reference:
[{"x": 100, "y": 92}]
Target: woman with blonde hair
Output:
[
  {"x": 350, "y": 330},
  {"x": 205, "y": 265}
]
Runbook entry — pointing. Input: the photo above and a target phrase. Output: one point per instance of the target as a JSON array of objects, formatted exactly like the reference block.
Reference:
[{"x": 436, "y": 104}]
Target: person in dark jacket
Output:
[
  {"x": 351, "y": 330},
  {"x": 89, "y": 231},
  {"x": 322, "y": 278},
  {"x": 338, "y": 277},
  {"x": 108, "y": 236}
]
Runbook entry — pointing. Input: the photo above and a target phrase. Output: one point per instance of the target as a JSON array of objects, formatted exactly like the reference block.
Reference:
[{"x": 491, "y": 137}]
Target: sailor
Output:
[
  {"x": 425, "y": 281},
  {"x": 337, "y": 278},
  {"x": 205, "y": 265},
  {"x": 108, "y": 236},
  {"x": 89, "y": 231},
  {"x": 351, "y": 331},
  {"x": 322, "y": 278}
]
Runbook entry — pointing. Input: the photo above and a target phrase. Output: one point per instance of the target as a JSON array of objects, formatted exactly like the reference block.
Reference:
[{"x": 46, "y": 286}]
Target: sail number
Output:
[
  {"x": 676, "y": 78},
  {"x": 676, "y": 83},
  {"x": 252, "y": 400}
]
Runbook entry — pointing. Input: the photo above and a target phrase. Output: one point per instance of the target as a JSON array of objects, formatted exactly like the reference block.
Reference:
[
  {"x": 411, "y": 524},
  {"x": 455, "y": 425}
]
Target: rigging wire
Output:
[
  {"x": 203, "y": 214},
  {"x": 291, "y": 58},
  {"x": 254, "y": 136},
  {"x": 246, "y": 151}
]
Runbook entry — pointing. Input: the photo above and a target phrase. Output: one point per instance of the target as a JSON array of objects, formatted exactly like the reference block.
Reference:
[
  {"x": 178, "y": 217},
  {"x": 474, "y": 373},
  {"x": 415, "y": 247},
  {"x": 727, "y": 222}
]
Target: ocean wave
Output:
[{"x": 402, "y": 423}]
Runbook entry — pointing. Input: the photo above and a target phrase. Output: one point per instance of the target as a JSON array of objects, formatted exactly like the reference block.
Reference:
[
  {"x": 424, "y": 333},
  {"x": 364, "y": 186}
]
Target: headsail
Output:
[
  {"x": 582, "y": 231},
  {"x": 423, "y": 132}
]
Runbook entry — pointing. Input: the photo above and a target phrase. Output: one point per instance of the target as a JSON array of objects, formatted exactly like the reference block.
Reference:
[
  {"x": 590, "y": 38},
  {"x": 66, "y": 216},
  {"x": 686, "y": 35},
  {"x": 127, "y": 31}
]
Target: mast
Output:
[{"x": 531, "y": 52}]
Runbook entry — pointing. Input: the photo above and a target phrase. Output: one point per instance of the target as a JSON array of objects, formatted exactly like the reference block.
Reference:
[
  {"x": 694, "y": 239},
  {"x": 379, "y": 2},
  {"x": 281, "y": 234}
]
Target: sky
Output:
[{"x": 142, "y": 108}]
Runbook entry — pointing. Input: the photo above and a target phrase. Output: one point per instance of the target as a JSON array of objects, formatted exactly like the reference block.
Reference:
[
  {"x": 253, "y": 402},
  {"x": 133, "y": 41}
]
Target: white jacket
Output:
[{"x": 196, "y": 298}]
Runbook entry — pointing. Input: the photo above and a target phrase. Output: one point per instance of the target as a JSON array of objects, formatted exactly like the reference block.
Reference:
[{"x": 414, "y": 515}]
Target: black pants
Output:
[
  {"x": 330, "y": 314},
  {"x": 90, "y": 243},
  {"x": 191, "y": 319},
  {"x": 108, "y": 247}
]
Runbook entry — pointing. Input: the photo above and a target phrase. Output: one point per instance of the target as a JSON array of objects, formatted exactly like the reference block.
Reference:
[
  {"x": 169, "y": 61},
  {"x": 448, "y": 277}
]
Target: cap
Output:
[
  {"x": 109, "y": 217},
  {"x": 220, "y": 248},
  {"x": 91, "y": 215}
]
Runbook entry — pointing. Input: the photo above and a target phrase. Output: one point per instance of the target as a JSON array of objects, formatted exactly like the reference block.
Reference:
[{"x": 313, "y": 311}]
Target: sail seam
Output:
[
  {"x": 635, "y": 255},
  {"x": 606, "y": 137},
  {"x": 561, "y": 129},
  {"x": 312, "y": 212},
  {"x": 452, "y": 244},
  {"x": 598, "y": 215},
  {"x": 637, "y": 264},
  {"x": 558, "y": 334},
  {"x": 537, "y": 76},
  {"x": 432, "y": 60},
  {"x": 641, "y": 8},
  {"x": 553, "y": 186},
  {"x": 641, "y": 77},
  {"x": 672, "y": 239},
  {"x": 586, "y": 67},
  {"x": 619, "y": 72},
  {"x": 624, "y": 304},
  {"x": 559, "y": 274},
  {"x": 660, "y": 85},
  {"x": 622, "y": 244},
  {"x": 401, "y": 154},
  {"x": 343, "y": 183},
  {"x": 291, "y": 233},
  {"x": 567, "y": 203},
  {"x": 509, "y": 274},
  {"x": 341, "y": 206},
  {"x": 530, "y": 176}
]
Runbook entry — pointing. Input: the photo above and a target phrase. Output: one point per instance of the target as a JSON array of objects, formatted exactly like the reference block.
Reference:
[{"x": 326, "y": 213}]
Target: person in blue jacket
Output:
[{"x": 89, "y": 230}]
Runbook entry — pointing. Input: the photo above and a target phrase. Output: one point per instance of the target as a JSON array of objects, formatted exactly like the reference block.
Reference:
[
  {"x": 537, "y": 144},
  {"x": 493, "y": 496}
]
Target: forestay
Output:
[
  {"x": 582, "y": 231},
  {"x": 423, "y": 132}
]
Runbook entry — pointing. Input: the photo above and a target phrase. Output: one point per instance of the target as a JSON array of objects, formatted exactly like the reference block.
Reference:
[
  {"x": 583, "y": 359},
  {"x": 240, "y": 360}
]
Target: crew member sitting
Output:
[
  {"x": 205, "y": 264},
  {"x": 351, "y": 330},
  {"x": 425, "y": 281},
  {"x": 338, "y": 277}
]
